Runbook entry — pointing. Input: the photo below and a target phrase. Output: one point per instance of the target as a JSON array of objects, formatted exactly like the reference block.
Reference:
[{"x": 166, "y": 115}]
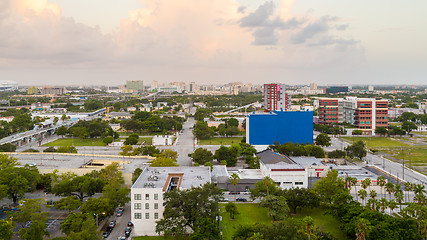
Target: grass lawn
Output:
[
  {"x": 377, "y": 142},
  {"x": 324, "y": 221},
  {"x": 249, "y": 213},
  {"x": 149, "y": 238},
  {"x": 417, "y": 154},
  {"x": 220, "y": 141},
  {"x": 76, "y": 141},
  {"x": 147, "y": 140}
]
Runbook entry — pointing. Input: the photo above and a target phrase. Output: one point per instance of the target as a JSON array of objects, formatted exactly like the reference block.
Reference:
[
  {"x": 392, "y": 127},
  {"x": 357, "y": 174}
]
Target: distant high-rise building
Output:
[
  {"x": 370, "y": 88},
  {"x": 154, "y": 84},
  {"x": 32, "y": 90},
  {"x": 276, "y": 98},
  {"x": 313, "y": 86},
  {"x": 135, "y": 85},
  {"x": 193, "y": 87},
  {"x": 52, "y": 90},
  {"x": 365, "y": 113},
  {"x": 343, "y": 89}
]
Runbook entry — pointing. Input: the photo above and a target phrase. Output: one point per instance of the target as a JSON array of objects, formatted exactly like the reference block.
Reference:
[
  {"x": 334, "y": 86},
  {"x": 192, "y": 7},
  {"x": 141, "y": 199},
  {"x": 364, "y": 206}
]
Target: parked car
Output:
[
  {"x": 109, "y": 229},
  {"x": 119, "y": 213},
  {"x": 240, "y": 199},
  {"x": 130, "y": 224},
  {"x": 127, "y": 234},
  {"x": 122, "y": 238},
  {"x": 234, "y": 193},
  {"x": 128, "y": 229},
  {"x": 112, "y": 224},
  {"x": 225, "y": 200},
  {"x": 106, "y": 234},
  {"x": 121, "y": 209}
]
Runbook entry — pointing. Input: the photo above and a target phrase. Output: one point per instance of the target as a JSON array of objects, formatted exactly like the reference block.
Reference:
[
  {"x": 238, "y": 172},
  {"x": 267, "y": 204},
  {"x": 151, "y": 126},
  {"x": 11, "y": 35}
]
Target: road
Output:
[
  {"x": 185, "y": 143},
  {"x": 388, "y": 166},
  {"x": 121, "y": 224}
]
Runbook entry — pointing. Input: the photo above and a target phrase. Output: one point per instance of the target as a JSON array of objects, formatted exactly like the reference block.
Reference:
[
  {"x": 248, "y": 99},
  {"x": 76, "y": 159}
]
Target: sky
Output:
[{"x": 106, "y": 42}]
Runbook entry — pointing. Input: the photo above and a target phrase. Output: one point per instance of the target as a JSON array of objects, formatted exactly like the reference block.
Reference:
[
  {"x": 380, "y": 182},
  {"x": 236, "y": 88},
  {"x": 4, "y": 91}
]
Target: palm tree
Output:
[
  {"x": 392, "y": 205},
  {"x": 373, "y": 194},
  {"x": 383, "y": 202},
  {"x": 408, "y": 187},
  {"x": 419, "y": 192},
  {"x": 366, "y": 183},
  {"x": 362, "y": 229},
  {"x": 399, "y": 197},
  {"x": 381, "y": 182},
  {"x": 309, "y": 222},
  {"x": 389, "y": 187},
  {"x": 234, "y": 179},
  {"x": 354, "y": 182},
  {"x": 363, "y": 194}
]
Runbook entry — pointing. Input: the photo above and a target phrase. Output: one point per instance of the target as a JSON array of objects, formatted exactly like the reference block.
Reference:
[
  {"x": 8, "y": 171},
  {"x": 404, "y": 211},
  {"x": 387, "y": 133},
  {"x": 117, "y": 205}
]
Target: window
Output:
[
  {"x": 156, "y": 196},
  {"x": 298, "y": 183},
  {"x": 147, "y": 206},
  {"x": 137, "y": 206},
  {"x": 287, "y": 183},
  {"x": 156, "y": 215},
  {"x": 137, "y": 196},
  {"x": 138, "y": 216},
  {"x": 147, "y": 196},
  {"x": 156, "y": 206},
  {"x": 147, "y": 216}
]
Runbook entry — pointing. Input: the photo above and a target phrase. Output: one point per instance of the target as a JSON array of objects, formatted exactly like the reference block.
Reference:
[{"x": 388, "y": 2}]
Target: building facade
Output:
[
  {"x": 276, "y": 98},
  {"x": 279, "y": 126},
  {"x": 53, "y": 90},
  {"x": 365, "y": 113},
  {"x": 147, "y": 193},
  {"x": 135, "y": 85}
]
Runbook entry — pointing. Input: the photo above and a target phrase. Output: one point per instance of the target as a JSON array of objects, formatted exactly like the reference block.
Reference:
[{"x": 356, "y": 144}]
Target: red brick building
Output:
[
  {"x": 276, "y": 98},
  {"x": 328, "y": 111}
]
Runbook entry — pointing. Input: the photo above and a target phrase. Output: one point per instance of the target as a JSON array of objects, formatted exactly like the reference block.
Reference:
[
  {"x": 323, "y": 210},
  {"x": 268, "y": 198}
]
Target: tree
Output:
[
  {"x": 363, "y": 194},
  {"x": 107, "y": 140},
  {"x": 397, "y": 131},
  {"x": 309, "y": 222},
  {"x": 62, "y": 131},
  {"x": 50, "y": 149},
  {"x": 16, "y": 181},
  {"x": 277, "y": 206},
  {"x": 7, "y": 147},
  {"x": 69, "y": 203},
  {"x": 79, "y": 226},
  {"x": 201, "y": 156},
  {"x": 329, "y": 186},
  {"x": 323, "y": 140},
  {"x": 234, "y": 179},
  {"x": 163, "y": 162},
  {"x": 67, "y": 149},
  {"x": 357, "y": 150},
  {"x": 6, "y": 228},
  {"x": 419, "y": 191},
  {"x": 202, "y": 113},
  {"x": 300, "y": 198},
  {"x": 146, "y": 150},
  {"x": 357, "y": 132},
  {"x": 202, "y": 131},
  {"x": 224, "y": 153},
  {"x": 79, "y": 186},
  {"x": 179, "y": 213},
  {"x": 389, "y": 188},
  {"x": 36, "y": 231},
  {"x": 168, "y": 153},
  {"x": 231, "y": 209},
  {"x": 102, "y": 207},
  {"x": 136, "y": 174},
  {"x": 131, "y": 141},
  {"x": 264, "y": 188},
  {"x": 381, "y": 131},
  {"x": 231, "y": 131},
  {"x": 409, "y": 126},
  {"x": 116, "y": 192},
  {"x": 126, "y": 150},
  {"x": 232, "y": 122},
  {"x": 381, "y": 181},
  {"x": 336, "y": 154}
]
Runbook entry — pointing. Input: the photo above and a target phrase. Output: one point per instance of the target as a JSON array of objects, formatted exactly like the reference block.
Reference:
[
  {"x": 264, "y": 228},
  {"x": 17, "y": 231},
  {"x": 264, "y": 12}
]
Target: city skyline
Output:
[{"x": 293, "y": 42}]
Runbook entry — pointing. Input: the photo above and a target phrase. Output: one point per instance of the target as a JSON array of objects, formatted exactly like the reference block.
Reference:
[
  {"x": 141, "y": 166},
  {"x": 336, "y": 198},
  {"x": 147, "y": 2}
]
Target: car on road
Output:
[
  {"x": 225, "y": 200},
  {"x": 119, "y": 213},
  {"x": 112, "y": 224},
  {"x": 130, "y": 224},
  {"x": 240, "y": 199},
  {"x": 106, "y": 234}
]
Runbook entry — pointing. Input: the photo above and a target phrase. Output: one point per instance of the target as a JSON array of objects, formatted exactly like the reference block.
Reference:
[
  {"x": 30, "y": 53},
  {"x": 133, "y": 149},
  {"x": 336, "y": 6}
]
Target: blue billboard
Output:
[{"x": 281, "y": 127}]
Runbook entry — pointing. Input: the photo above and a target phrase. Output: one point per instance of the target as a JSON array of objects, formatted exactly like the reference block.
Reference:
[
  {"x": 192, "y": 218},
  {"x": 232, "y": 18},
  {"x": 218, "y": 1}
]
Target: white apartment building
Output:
[{"x": 147, "y": 193}]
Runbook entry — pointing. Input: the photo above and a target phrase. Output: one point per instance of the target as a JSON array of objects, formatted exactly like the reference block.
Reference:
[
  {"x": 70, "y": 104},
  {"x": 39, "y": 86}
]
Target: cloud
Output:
[{"x": 312, "y": 29}]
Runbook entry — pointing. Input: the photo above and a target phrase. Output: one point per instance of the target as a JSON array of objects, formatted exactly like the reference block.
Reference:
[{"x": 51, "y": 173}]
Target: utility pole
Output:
[{"x": 403, "y": 163}]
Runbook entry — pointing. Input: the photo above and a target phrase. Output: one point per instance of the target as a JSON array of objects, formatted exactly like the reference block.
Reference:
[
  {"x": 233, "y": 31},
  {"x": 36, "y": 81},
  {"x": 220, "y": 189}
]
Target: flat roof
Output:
[
  {"x": 307, "y": 161},
  {"x": 157, "y": 176}
]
